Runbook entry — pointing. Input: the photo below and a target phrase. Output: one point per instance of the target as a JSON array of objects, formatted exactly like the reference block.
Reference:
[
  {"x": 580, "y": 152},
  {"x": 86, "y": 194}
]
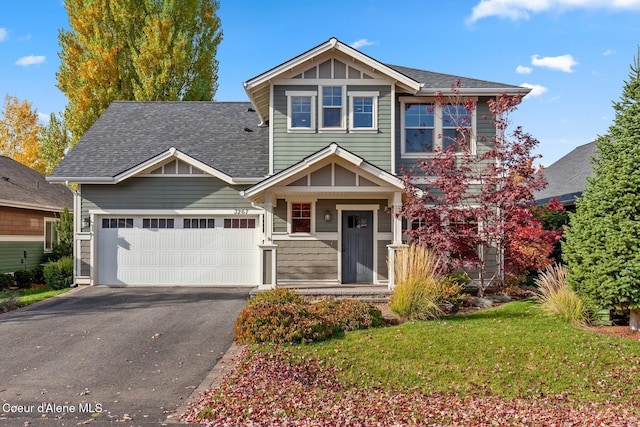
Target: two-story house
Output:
[{"x": 297, "y": 186}]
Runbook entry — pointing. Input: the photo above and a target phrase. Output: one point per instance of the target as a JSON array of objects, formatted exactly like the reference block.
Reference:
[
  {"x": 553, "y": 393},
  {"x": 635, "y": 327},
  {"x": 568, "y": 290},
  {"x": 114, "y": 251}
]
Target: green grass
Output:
[
  {"x": 30, "y": 296},
  {"x": 511, "y": 351}
]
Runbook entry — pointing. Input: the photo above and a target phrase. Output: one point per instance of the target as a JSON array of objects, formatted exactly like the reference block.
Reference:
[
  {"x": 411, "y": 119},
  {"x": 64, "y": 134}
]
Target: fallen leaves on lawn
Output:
[{"x": 282, "y": 389}]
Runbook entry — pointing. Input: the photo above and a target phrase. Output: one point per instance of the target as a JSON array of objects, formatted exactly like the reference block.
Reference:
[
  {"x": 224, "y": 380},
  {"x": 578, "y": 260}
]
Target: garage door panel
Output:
[{"x": 213, "y": 256}]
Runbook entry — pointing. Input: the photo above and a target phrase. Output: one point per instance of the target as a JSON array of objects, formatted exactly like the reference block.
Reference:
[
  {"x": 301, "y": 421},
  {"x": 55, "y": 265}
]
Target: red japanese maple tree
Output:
[{"x": 473, "y": 207}]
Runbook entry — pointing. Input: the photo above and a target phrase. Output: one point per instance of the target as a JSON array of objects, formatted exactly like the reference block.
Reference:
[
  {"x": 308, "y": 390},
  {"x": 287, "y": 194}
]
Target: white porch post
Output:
[
  {"x": 268, "y": 248},
  {"x": 396, "y": 228}
]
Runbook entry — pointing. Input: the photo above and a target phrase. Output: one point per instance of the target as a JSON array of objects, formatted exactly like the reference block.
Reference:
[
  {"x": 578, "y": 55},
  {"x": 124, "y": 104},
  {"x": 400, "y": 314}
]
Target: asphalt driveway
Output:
[{"x": 112, "y": 354}]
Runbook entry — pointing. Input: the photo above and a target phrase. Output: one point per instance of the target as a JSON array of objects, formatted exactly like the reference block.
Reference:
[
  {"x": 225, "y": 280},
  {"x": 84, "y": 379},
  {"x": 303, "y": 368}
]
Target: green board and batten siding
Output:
[
  {"x": 164, "y": 193},
  {"x": 290, "y": 148}
]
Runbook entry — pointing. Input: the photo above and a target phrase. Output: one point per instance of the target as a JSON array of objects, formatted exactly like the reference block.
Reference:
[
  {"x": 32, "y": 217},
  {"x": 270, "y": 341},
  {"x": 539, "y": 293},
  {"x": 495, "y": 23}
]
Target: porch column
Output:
[
  {"x": 396, "y": 228},
  {"x": 268, "y": 248}
]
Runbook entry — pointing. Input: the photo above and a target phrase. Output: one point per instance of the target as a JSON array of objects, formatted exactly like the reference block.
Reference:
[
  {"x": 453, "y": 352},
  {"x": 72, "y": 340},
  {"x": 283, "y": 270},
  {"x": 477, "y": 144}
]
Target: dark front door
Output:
[{"x": 357, "y": 247}]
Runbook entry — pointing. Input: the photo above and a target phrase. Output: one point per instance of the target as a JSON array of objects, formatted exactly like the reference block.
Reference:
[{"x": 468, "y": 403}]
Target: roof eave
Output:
[{"x": 475, "y": 91}]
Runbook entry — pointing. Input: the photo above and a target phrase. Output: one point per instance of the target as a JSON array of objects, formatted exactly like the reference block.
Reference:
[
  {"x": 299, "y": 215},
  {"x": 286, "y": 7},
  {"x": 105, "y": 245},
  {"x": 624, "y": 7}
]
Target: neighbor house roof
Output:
[
  {"x": 222, "y": 135},
  {"x": 23, "y": 187},
  {"x": 567, "y": 178}
]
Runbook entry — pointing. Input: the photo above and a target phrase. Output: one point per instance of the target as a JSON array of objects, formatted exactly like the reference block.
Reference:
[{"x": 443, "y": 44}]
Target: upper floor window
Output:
[
  {"x": 301, "y": 107},
  {"x": 363, "y": 111},
  {"x": 456, "y": 127},
  {"x": 332, "y": 107},
  {"x": 427, "y": 127},
  {"x": 419, "y": 128}
]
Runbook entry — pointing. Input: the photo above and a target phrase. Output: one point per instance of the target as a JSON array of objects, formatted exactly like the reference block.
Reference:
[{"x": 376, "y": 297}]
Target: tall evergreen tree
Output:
[
  {"x": 54, "y": 140},
  {"x": 146, "y": 50},
  {"x": 602, "y": 245}
]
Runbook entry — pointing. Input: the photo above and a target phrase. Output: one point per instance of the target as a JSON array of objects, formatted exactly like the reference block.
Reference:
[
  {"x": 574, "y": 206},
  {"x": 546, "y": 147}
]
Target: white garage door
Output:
[{"x": 194, "y": 250}]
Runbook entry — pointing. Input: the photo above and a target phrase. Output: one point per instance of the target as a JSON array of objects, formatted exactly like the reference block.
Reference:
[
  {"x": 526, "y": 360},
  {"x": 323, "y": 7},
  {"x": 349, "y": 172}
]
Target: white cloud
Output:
[
  {"x": 521, "y": 69},
  {"x": 360, "y": 43},
  {"x": 4, "y": 34},
  {"x": 522, "y": 9},
  {"x": 25, "y": 61},
  {"x": 561, "y": 63},
  {"x": 44, "y": 118},
  {"x": 536, "y": 90},
  {"x": 608, "y": 52}
]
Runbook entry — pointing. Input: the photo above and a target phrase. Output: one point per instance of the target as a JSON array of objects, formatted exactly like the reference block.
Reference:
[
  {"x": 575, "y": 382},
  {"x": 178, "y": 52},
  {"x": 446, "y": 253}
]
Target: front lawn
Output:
[
  {"x": 23, "y": 297},
  {"x": 511, "y": 365}
]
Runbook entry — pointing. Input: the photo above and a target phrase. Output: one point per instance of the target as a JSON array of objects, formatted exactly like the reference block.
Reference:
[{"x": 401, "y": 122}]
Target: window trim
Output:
[
  {"x": 438, "y": 126},
  {"x": 342, "y": 128},
  {"x": 312, "y": 222},
  {"x": 290, "y": 94},
  {"x": 374, "y": 95},
  {"x": 54, "y": 235}
]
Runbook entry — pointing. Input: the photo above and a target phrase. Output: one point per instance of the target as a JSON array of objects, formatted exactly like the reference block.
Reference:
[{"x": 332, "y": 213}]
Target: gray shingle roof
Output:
[
  {"x": 567, "y": 178},
  {"x": 223, "y": 135},
  {"x": 438, "y": 80},
  {"x": 23, "y": 186}
]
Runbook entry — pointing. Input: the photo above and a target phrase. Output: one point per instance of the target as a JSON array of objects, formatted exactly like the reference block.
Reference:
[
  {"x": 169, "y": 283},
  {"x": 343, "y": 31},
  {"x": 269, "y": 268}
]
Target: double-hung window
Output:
[
  {"x": 428, "y": 127},
  {"x": 419, "y": 128},
  {"x": 302, "y": 111},
  {"x": 332, "y": 108},
  {"x": 363, "y": 111},
  {"x": 456, "y": 127}
]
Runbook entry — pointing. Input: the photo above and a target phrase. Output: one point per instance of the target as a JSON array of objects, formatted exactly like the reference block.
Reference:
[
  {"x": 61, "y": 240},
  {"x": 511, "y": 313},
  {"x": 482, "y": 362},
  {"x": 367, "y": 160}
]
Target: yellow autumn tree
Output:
[
  {"x": 20, "y": 133},
  {"x": 145, "y": 50}
]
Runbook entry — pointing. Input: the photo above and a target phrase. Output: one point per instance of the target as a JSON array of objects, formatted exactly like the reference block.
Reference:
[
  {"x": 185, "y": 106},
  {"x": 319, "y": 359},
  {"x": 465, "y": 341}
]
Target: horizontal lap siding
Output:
[
  {"x": 12, "y": 253},
  {"x": 164, "y": 193},
  {"x": 85, "y": 258},
  {"x": 307, "y": 260},
  {"x": 290, "y": 148}
]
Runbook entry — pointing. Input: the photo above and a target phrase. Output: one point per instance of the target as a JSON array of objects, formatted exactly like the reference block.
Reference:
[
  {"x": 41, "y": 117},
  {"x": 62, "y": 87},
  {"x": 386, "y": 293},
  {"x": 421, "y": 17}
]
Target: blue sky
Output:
[{"x": 575, "y": 54}]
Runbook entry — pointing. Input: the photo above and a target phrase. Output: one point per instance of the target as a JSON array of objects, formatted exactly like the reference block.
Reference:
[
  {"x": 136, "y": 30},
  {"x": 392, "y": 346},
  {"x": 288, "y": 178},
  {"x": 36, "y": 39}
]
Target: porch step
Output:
[{"x": 367, "y": 293}]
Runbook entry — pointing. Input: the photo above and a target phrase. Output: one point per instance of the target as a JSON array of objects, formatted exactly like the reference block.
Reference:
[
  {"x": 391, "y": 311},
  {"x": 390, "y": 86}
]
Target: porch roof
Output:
[{"x": 256, "y": 192}]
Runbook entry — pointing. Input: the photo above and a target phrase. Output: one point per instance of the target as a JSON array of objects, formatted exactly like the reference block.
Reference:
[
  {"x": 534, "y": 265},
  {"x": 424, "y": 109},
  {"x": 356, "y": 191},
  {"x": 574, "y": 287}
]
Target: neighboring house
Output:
[
  {"x": 29, "y": 207},
  {"x": 567, "y": 177},
  {"x": 299, "y": 186}
]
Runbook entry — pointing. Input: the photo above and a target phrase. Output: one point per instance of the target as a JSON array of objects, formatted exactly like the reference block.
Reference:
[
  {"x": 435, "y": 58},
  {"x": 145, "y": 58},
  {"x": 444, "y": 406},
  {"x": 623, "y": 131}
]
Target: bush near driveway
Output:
[
  {"x": 59, "y": 274},
  {"x": 281, "y": 316}
]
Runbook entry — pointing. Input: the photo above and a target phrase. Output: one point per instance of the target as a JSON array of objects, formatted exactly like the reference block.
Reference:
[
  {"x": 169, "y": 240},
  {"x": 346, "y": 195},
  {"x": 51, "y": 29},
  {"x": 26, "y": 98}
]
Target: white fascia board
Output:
[
  {"x": 172, "y": 153},
  {"x": 474, "y": 91},
  {"x": 80, "y": 180},
  {"x": 331, "y": 150},
  {"x": 332, "y": 43},
  {"x": 18, "y": 205}
]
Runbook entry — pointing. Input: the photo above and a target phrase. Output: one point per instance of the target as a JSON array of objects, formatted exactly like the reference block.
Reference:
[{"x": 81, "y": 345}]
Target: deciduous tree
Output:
[
  {"x": 147, "y": 50},
  {"x": 474, "y": 207},
  {"x": 602, "y": 246},
  {"x": 54, "y": 140},
  {"x": 19, "y": 133}
]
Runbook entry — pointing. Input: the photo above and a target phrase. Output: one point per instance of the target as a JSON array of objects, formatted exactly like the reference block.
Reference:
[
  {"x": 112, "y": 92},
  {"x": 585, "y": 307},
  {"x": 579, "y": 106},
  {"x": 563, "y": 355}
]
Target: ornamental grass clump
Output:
[
  {"x": 421, "y": 288},
  {"x": 556, "y": 297}
]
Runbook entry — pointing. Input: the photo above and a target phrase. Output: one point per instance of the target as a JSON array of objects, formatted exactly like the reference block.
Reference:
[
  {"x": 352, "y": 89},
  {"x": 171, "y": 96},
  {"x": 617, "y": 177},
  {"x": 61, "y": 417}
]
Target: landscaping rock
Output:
[
  {"x": 480, "y": 302},
  {"x": 500, "y": 298}
]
